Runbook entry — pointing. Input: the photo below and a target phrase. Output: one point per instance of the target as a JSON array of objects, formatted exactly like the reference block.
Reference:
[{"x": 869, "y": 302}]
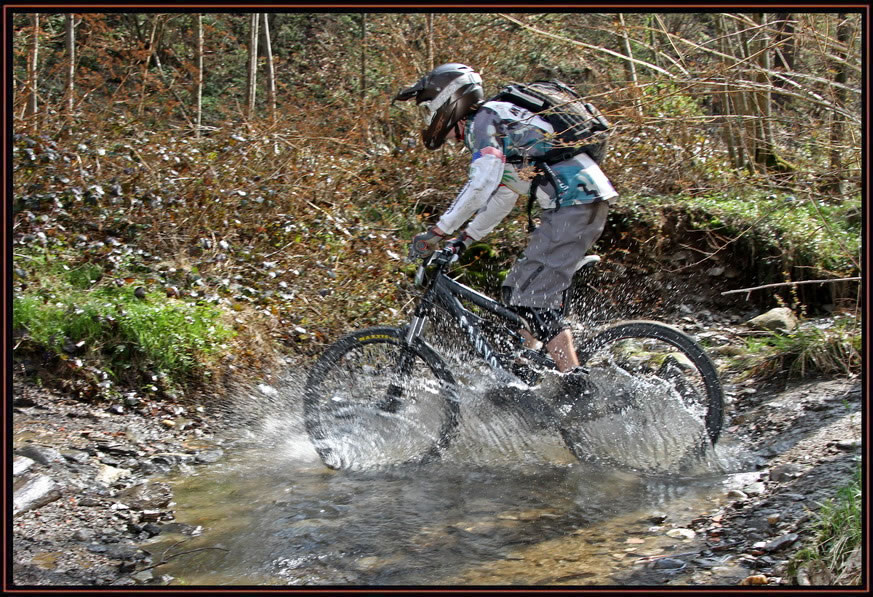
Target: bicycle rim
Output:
[
  {"x": 657, "y": 402},
  {"x": 371, "y": 400}
]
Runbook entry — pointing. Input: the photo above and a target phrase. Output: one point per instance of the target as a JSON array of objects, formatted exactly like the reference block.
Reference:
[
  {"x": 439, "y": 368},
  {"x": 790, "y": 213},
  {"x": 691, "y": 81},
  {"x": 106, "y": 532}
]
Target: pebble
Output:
[
  {"x": 754, "y": 489},
  {"x": 686, "y": 534},
  {"x": 849, "y": 444},
  {"x": 110, "y": 474},
  {"x": 756, "y": 579},
  {"x": 784, "y": 472},
  {"x": 783, "y": 541},
  {"x": 83, "y": 535},
  {"x": 209, "y": 456},
  {"x": 668, "y": 564}
]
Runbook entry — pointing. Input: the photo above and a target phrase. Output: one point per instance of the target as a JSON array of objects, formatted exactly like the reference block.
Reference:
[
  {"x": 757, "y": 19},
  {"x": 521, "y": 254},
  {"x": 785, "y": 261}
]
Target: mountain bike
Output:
[{"x": 385, "y": 395}]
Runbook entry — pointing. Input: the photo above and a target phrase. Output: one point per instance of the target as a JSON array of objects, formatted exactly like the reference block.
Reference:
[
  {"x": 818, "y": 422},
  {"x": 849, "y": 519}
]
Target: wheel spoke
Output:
[
  {"x": 376, "y": 401},
  {"x": 658, "y": 400}
]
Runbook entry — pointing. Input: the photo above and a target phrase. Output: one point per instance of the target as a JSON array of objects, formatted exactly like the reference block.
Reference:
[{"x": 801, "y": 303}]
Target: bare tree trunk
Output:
[
  {"x": 629, "y": 66},
  {"x": 745, "y": 102},
  {"x": 145, "y": 68},
  {"x": 271, "y": 75},
  {"x": 253, "y": 67},
  {"x": 844, "y": 32},
  {"x": 71, "y": 56},
  {"x": 363, "y": 54},
  {"x": 33, "y": 61},
  {"x": 786, "y": 44},
  {"x": 430, "y": 58},
  {"x": 199, "y": 81},
  {"x": 766, "y": 146},
  {"x": 735, "y": 150}
]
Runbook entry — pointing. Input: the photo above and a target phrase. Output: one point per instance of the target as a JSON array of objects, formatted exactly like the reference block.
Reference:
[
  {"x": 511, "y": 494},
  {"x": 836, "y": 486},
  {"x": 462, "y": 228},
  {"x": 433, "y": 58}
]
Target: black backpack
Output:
[{"x": 579, "y": 126}]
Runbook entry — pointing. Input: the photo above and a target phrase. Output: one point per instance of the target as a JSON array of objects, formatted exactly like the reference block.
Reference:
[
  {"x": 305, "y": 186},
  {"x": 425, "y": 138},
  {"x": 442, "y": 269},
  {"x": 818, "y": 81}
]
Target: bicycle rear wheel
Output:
[
  {"x": 657, "y": 401},
  {"x": 373, "y": 400}
]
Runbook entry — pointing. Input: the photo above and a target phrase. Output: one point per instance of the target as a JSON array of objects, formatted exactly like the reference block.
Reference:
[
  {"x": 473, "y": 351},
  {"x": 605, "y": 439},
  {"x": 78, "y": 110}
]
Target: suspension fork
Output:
[{"x": 406, "y": 360}]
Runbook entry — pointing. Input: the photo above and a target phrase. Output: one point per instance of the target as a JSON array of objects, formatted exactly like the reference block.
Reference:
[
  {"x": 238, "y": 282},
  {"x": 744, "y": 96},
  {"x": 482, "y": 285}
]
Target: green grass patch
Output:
[
  {"x": 66, "y": 312},
  {"x": 806, "y": 232},
  {"x": 837, "y": 538},
  {"x": 808, "y": 351}
]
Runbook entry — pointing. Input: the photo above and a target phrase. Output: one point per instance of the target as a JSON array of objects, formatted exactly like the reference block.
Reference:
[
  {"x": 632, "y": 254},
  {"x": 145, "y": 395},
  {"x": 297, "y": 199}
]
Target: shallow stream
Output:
[{"x": 508, "y": 505}]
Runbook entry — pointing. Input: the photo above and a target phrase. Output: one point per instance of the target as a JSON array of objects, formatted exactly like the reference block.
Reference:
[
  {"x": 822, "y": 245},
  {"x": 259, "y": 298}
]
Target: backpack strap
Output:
[{"x": 544, "y": 175}]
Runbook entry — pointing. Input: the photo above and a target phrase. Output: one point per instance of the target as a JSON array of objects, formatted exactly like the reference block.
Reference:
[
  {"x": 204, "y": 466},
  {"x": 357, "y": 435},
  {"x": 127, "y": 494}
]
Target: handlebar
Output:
[{"x": 441, "y": 258}]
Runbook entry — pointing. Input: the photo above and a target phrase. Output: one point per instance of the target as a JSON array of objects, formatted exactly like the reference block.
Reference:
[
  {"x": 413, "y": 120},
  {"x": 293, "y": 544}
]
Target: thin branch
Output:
[
  {"x": 165, "y": 558},
  {"x": 826, "y": 281},
  {"x": 589, "y": 46}
]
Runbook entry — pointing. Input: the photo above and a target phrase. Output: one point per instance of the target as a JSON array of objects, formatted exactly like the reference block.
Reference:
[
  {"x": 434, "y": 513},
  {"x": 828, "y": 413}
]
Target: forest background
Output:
[{"x": 195, "y": 194}]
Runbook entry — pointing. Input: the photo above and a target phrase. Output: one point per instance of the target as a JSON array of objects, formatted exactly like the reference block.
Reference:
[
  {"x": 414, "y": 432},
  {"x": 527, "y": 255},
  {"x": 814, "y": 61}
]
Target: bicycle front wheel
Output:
[
  {"x": 372, "y": 399},
  {"x": 657, "y": 400}
]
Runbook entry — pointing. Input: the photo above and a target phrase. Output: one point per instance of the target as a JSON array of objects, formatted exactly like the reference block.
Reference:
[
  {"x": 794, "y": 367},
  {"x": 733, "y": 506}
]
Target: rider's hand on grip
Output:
[
  {"x": 423, "y": 245},
  {"x": 460, "y": 243}
]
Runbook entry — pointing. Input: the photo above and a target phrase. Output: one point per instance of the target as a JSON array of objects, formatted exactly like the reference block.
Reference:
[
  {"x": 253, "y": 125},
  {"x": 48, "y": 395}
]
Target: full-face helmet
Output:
[{"x": 445, "y": 95}]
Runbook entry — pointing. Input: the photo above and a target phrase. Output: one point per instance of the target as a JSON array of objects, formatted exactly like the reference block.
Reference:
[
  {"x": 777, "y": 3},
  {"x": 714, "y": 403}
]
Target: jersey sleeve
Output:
[{"x": 483, "y": 177}]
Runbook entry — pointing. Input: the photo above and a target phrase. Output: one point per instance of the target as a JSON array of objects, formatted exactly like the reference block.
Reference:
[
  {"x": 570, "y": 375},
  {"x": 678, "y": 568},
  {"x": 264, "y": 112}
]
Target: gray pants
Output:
[{"x": 554, "y": 253}]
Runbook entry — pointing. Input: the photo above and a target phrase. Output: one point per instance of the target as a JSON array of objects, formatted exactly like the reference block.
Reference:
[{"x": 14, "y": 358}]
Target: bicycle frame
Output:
[{"x": 448, "y": 293}]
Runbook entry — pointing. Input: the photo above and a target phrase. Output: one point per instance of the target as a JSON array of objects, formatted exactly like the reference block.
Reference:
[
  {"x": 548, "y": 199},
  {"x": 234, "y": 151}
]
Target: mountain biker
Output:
[{"x": 500, "y": 135}]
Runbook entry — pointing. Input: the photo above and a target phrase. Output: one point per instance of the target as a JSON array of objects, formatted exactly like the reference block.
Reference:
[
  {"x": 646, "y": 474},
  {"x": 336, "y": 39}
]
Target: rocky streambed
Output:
[{"x": 88, "y": 500}]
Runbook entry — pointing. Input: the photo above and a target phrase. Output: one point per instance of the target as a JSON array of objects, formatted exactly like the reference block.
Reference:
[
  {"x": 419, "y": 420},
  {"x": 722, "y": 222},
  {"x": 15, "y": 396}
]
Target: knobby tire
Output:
[{"x": 383, "y": 355}]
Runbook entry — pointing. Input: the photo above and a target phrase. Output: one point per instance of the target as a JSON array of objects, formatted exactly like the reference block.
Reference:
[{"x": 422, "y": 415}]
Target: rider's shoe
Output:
[
  {"x": 580, "y": 398},
  {"x": 524, "y": 402},
  {"x": 576, "y": 392}
]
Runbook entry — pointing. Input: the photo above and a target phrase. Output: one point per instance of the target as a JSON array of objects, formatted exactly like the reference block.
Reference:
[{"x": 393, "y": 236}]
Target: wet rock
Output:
[
  {"x": 142, "y": 577},
  {"x": 849, "y": 444},
  {"x": 41, "y": 454},
  {"x": 784, "y": 472},
  {"x": 781, "y": 542},
  {"x": 108, "y": 475},
  {"x": 209, "y": 456},
  {"x": 116, "y": 449},
  {"x": 121, "y": 551},
  {"x": 706, "y": 563},
  {"x": 83, "y": 535},
  {"x": 150, "y": 515},
  {"x": 35, "y": 492},
  {"x": 146, "y": 496},
  {"x": 754, "y": 489},
  {"x": 685, "y": 534},
  {"x": 21, "y": 464},
  {"x": 182, "y": 528},
  {"x": 780, "y": 319},
  {"x": 668, "y": 564},
  {"x": 76, "y": 456}
]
